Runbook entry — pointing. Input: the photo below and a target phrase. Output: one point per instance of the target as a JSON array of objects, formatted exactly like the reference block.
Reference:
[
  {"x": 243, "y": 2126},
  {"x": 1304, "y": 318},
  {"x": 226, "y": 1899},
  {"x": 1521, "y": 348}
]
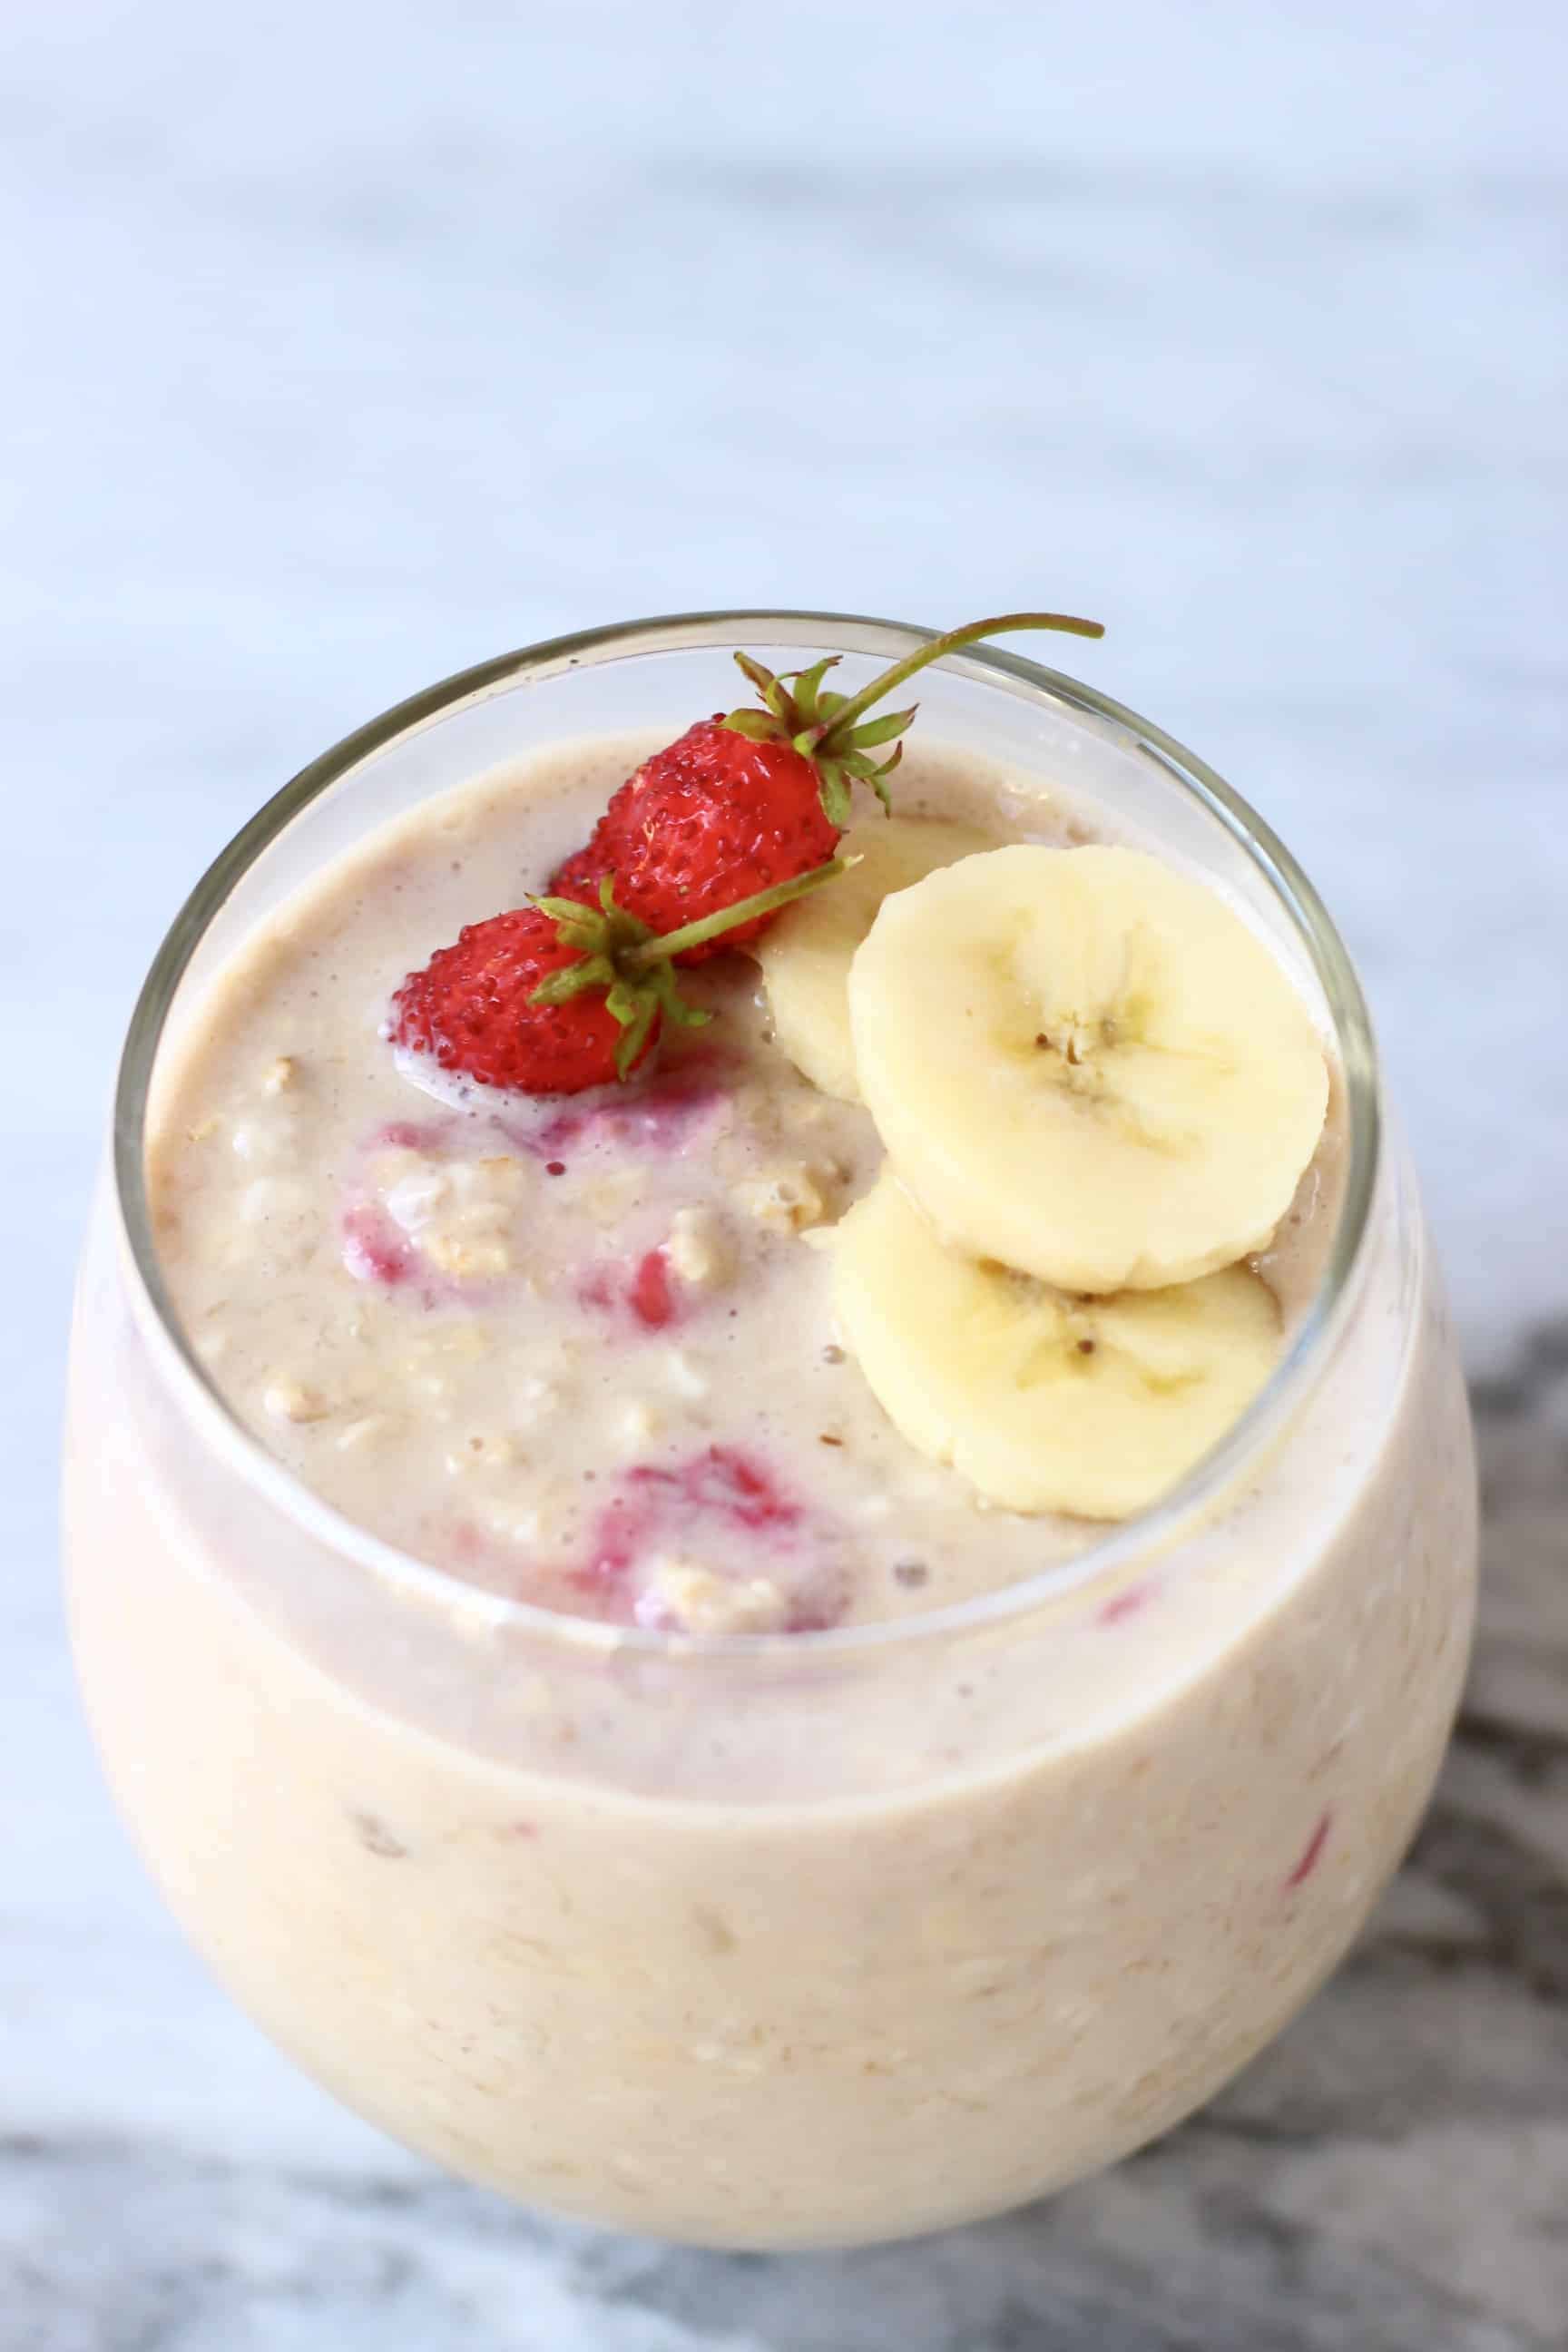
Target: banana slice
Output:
[
  {"x": 1085, "y": 1065},
  {"x": 1044, "y": 1402},
  {"x": 806, "y": 954}
]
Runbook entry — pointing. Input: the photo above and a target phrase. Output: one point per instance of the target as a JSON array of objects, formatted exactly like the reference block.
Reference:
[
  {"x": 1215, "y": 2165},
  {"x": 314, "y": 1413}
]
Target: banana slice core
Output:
[
  {"x": 1045, "y": 1400},
  {"x": 1085, "y": 1065}
]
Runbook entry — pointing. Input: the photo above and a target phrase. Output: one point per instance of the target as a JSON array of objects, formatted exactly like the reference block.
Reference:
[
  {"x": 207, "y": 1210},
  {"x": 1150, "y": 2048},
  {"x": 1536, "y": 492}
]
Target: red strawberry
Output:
[
  {"x": 742, "y": 803},
  {"x": 581, "y": 876},
  {"x": 712, "y": 819},
  {"x": 701, "y": 847},
  {"x": 560, "y": 995},
  {"x": 474, "y": 1008}
]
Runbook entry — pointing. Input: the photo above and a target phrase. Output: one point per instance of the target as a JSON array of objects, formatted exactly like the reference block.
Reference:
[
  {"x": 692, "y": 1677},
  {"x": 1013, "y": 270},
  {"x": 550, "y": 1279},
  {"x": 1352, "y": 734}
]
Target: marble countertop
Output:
[{"x": 353, "y": 344}]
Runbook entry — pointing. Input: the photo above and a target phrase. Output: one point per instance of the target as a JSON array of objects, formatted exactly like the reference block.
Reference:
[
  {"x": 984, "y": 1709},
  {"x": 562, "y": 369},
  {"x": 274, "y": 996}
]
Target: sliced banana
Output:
[
  {"x": 1085, "y": 1065},
  {"x": 805, "y": 955},
  {"x": 1044, "y": 1402}
]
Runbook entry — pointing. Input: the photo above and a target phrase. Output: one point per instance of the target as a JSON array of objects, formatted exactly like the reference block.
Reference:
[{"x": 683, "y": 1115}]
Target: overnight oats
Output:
[{"x": 770, "y": 1521}]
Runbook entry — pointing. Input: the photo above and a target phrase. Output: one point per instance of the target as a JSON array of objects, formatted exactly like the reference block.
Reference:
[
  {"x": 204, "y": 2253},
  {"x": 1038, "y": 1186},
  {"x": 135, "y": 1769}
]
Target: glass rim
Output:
[{"x": 422, "y": 1581}]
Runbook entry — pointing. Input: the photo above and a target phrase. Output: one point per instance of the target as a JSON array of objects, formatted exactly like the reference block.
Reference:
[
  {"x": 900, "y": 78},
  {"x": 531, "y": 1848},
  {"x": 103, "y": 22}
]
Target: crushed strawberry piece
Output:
[
  {"x": 720, "y": 1484},
  {"x": 653, "y": 1301},
  {"x": 373, "y": 1251},
  {"x": 1311, "y": 1854}
]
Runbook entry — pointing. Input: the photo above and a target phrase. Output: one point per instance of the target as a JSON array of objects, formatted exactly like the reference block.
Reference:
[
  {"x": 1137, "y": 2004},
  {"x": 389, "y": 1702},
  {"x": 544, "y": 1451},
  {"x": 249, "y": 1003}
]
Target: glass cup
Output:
[{"x": 781, "y": 1940}]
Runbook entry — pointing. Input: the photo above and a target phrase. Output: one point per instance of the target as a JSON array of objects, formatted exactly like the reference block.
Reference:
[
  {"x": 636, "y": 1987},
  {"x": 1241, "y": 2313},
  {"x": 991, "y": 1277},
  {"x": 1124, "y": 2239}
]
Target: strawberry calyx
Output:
[
  {"x": 605, "y": 939},
  {"x": 798, "y": 710},
  {"x": 826, "y": 727},
  {"x": 632, "y": 964}
]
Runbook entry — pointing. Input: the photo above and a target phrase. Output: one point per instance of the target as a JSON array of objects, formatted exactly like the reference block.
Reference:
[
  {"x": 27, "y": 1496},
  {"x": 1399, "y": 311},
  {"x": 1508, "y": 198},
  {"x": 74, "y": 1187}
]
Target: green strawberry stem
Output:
[
  {"x": 950, "y": 642},
  {"x": 824, "y": 728},
  {"x": 744, "y": 911},
  {"x": 620, "y": 956}
]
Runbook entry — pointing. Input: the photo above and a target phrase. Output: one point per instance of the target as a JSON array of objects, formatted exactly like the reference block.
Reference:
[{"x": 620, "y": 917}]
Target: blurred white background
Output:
[{"x": 347, "y": 344}]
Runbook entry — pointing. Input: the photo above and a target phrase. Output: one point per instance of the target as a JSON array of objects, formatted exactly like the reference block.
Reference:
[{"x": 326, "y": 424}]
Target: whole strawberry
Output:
[
  {"x": 699, "y": 849},
  {"x": 741, "y": 803},
  {"x": 475, "y": 1009},
  {"x": 711, "y": 819},
  {"x": 562, "y": 994}
]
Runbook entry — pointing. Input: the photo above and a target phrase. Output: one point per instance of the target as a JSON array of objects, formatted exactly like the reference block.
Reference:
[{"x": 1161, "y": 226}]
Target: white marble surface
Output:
[{"x": 351, "y": 344}]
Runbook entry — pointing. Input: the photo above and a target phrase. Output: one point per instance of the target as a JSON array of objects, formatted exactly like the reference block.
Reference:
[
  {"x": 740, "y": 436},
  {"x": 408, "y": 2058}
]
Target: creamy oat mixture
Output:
[
  {"x": 642, "y": 1936},
  {"x": 579, "y": 1349}
]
